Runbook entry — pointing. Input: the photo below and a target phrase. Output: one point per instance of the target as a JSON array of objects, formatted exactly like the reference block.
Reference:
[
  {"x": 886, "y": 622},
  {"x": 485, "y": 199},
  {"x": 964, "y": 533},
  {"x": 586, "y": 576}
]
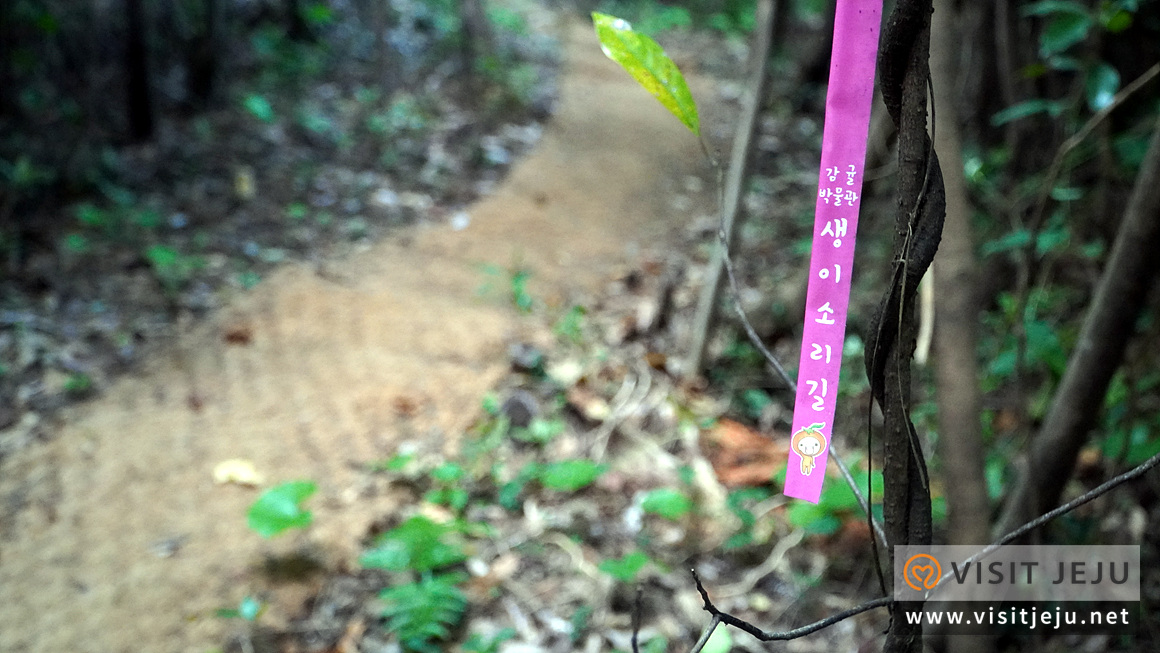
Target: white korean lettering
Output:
[
  {"x": 827, "y": 314},
  {"x": 820, "y": 352},
  {"x": 824, "y": 273}
]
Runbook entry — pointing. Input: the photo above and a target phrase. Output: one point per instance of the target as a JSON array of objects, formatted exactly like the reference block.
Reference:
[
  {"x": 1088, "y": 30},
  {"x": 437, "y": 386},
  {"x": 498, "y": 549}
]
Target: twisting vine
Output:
[{"x": 904, "y": 76}]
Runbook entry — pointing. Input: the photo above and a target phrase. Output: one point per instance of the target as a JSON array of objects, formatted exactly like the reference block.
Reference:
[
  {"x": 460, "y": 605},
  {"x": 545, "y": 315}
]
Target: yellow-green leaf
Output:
[{"x": 647, "y": 62}]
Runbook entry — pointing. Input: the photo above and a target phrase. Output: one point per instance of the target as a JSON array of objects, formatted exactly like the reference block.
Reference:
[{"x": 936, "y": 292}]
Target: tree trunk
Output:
[
  {"x": 138, "y": 101},
  {"x": 903, "y": 75},
  {"x": 202, "y": 58},
  {"x": 767, "y": 19},
  {"x": 477, "y": 37},
  {"x": 1110, "y": 322},
  {"x": 957, "y": 314}
]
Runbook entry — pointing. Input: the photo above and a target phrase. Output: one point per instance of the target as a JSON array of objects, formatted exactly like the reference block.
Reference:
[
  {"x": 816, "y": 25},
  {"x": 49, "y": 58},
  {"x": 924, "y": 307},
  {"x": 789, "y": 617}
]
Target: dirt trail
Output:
[{"x": 113, "y": 536}]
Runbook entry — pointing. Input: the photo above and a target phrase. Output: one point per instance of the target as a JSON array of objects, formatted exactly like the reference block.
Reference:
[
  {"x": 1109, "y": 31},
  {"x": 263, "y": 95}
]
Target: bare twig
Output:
[
  {"x": 774, "y": 560},
  {"x": 1038, "y": 214},
  {"x": 624, "y": 403},
  {"x": 885, "y": 601},
  {"x": 730, "y": 620},
  {"x": 1079, "y": 137},
  {"x": 706, "y": 635},
  {"x": 636, "y": 610},
  {"x": 1091, "y": 495}
]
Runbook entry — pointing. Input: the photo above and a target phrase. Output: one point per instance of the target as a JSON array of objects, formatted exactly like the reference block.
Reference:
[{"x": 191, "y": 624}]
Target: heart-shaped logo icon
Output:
[{"x": 922, "y": 572}]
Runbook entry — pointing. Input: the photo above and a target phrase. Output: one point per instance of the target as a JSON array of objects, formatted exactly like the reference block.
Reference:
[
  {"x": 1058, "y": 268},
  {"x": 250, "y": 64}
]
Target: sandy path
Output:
[{"x": 315, "y": 392}]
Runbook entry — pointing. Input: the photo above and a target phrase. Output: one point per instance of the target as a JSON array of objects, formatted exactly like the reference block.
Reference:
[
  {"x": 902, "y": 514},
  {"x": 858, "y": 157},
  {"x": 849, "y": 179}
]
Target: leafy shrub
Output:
[
  {"x": 418, "y": 544},
  {"x": 424, "y": 612}
]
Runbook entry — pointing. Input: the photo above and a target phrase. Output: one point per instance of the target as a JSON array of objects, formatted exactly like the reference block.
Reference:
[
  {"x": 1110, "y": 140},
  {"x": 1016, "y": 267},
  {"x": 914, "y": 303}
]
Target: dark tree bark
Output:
[
  {"x": 296, "y": 27},
  {"x": 477, "y": 36},
  {"x": 1108, "y": 326},
  {"x": 202, "y": 58},
  {"x": 6, "y": 76},
  {"x": 138, "y": 100},
  {"x": 904, "y": 76}
]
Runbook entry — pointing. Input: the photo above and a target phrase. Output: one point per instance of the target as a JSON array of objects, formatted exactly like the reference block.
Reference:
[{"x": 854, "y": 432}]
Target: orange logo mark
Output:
[{"x": 924, "y": 569}]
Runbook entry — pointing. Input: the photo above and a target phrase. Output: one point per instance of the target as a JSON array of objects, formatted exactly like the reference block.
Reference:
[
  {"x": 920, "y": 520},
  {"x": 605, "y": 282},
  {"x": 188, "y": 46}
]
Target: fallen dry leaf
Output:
[
  {"x": 406, "y": 405},
  {"x": 656, "y": 360},
  {"x": 238, "y": 334},
  {"x": 742, "y": 456}
]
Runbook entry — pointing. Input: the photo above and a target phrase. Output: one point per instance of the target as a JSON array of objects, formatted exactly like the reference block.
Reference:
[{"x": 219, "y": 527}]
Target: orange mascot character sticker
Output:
[{"x": 809, "y": 443}]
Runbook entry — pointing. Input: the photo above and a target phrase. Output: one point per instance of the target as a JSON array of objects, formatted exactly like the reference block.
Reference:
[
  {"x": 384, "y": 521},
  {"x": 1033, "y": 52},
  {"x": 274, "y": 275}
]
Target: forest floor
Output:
[{"x": 116, "y": 537}]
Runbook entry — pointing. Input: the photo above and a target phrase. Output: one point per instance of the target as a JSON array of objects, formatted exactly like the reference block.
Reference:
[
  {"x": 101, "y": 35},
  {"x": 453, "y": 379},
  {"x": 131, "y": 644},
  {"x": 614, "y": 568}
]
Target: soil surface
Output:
[{"x": 113, "y": 534}]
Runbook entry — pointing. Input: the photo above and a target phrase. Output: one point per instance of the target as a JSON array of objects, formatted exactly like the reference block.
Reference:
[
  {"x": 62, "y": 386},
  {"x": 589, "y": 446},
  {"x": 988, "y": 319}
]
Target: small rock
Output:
[
  {"x": 520, "y": 408},
  {"x": 525, "y": 357}
]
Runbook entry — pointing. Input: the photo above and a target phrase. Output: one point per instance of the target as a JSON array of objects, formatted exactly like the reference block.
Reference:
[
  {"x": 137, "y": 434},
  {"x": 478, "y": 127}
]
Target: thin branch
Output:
[
  {"x": 886, "y": 601},
  {"x": 636, "y": 610},
  {"x": 1081, "y": 135},
  {"x": 1104, "y": 488},
  {"x": 775, "y": 365},
  {"x": 755, "y": 339},
  {"x": 707, "y": 634},
  {"x": 730, "y": 620}
]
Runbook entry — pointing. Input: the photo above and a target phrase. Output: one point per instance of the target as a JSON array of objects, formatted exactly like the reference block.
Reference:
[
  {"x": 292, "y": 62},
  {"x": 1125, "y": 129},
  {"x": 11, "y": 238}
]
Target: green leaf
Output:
[
  {"x": 91, "y": 216},
  {"x": 1143, "y": 445},
  {"x": 1052, "y": 239},
  {"x": 647, "y": 62},
  {"x": 259, "y": 107},
  {"x": 655, "y": 645},
  {"x": 540, "y": 431},
  {"x": 1117, "y": 21},
  {"x": 162, "y": 257},
  {"x": 1102, "y": 83},
  {"x": 815, "y": 519},
  {"x": 625, "y": 569},
  {"x": 838, "y": 497},
  {"x": 280, "y": 508},
  {"x": 1014, "y": 240},
  {"x": 667, "y": 503},
  {"x": 423, "y": 612},
  {"x": 480, "y": 643},
  {"x": 1067, "y": 193},
  {"x": 249, "y": 608},
  {"x": 1063, "y": 31},
  {"x": 1130, "y": 149},
  {"x": 570, "y": 475},
  {"x": 77, "y": 243},
  {"x": 448, "y": 473},
  {"x": 1027, "y": 108},
  {"x": 418, "y": 544},
  {"x": 509, "y": 494},
  {"x": 754, "y": 402},
  {"x": 1049, "y": 7},
  {"x": 994, "y": 472},
  {"x": 78, "y": 384},
  {"x": 1064, "y": 62}
]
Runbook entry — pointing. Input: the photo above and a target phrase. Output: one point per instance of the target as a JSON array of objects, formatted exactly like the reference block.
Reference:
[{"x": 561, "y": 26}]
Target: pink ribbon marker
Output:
[{"x": 832, "y": 256}]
